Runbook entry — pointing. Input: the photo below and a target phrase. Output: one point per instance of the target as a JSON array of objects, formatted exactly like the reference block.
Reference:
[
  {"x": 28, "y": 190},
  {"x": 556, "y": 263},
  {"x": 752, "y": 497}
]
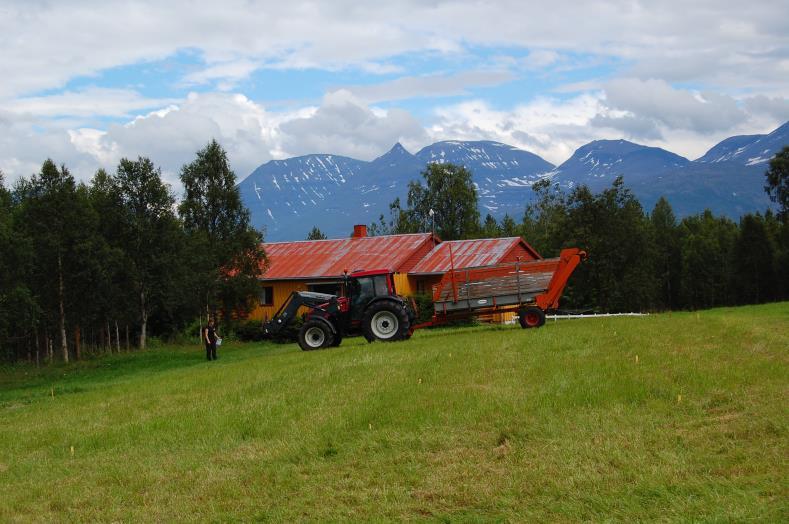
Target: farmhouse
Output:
[{"x": 417, "y": 260}]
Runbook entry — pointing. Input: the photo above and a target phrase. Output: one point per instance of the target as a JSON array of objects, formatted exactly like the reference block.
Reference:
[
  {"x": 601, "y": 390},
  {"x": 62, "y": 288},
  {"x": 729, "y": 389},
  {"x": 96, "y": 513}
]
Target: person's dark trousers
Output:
[{"x": 210, "y": 351}]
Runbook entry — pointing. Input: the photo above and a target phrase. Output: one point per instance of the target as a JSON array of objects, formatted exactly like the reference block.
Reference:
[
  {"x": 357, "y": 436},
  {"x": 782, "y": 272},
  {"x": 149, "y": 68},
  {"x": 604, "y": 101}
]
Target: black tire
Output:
[
  {"x": 315, "y": 334},
  {"x": 337, "y": 340},
  {"x": 531, "y": 317},
  {"x": 386, "y": 321}
]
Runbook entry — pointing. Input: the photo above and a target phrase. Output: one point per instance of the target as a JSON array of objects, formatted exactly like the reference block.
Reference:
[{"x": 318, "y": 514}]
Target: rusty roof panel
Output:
[
  {"x": 465, "y": 253},
  {"x": 329, "y": 258}
]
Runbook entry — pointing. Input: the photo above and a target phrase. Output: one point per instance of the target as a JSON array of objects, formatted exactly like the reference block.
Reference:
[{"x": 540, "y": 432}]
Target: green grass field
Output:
[{"x": 675, "y": 417}]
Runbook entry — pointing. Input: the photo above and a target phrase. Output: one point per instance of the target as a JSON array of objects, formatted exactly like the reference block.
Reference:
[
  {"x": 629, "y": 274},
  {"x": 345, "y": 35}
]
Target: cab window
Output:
[
  {"x": 366, "y": 287},
  {"x": 381, "y": 288},
  {"x": 364, "y": 290}
]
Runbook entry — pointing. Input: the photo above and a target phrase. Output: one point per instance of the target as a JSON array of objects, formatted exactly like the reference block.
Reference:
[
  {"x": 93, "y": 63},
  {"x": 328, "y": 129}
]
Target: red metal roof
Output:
[
  {"x": 469, "y": 253},
  {"x": 329, "y": 258}
]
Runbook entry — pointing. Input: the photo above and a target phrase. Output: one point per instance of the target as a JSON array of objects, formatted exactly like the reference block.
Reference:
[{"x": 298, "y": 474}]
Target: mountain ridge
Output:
[
  {"x": 288, "y": 197},
  {"x": 598, "y": 163}
]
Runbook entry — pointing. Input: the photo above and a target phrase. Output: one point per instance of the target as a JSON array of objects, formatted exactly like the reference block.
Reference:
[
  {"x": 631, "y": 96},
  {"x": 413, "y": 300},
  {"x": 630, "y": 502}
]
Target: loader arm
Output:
[{"x": 288, "y": 311}]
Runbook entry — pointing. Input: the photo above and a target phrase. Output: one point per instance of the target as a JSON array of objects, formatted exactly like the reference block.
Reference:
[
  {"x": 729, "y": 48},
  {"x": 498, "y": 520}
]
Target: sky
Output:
[{"x": 87, "y": 83}]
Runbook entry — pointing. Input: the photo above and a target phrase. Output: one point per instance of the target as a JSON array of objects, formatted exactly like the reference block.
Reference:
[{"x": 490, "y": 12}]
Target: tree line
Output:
[
  {"x": 638, "y": 260},
  {"x": 104, "y": 265}
]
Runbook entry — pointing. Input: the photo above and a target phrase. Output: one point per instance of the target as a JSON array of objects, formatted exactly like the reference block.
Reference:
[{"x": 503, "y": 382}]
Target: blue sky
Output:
[{"x": 87, "y": 83}]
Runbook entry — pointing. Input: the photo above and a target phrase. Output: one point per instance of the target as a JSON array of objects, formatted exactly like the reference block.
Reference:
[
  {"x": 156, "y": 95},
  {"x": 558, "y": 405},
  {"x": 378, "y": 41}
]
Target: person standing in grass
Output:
[{"x": 209, "y": 337}]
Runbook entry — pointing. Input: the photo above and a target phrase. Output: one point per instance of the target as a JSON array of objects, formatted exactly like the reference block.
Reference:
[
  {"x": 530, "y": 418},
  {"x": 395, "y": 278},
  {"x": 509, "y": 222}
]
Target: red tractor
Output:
[{"x": 370, "y": 307}]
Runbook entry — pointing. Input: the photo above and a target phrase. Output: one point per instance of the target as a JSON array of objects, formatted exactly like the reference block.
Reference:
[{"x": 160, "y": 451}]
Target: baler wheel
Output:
[{"x": 531, "y": 317}]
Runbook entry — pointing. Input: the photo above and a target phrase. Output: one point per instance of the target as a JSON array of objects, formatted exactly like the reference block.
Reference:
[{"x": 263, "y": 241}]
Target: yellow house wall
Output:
[
  {"x": 410, "y": 285},
  {"x": 403, "y": 284},
  {"x": 282, "y": 290}
]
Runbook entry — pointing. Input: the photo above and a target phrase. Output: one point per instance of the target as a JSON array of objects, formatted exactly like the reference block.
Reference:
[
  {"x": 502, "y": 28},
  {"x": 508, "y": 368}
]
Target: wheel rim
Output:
[
  {"x": 314, "y": 337},
  {"x": 384, "y": 324},
  {"x": 532, "y": 318}
]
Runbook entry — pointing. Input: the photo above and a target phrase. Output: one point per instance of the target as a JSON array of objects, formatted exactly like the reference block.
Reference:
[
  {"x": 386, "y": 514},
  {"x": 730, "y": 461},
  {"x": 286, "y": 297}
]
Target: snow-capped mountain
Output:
[
  {"x": 503, "y": 174},
  {"x": 728, "y": 179},
  {"x": 749, "y": 150},
  {"x": 728, "y": 149},
  {"x": 484, "y": 155},
  {"x": 598, "y": 163},
  {"x": 276, "y": 191},
  {"x": 387, "y": 174},
  {"x": 289, "y": 197}
]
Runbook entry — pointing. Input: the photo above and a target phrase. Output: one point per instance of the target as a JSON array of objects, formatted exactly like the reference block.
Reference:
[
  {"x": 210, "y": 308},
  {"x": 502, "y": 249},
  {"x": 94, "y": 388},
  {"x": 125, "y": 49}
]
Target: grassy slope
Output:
[{"x": 486, "y": 423}]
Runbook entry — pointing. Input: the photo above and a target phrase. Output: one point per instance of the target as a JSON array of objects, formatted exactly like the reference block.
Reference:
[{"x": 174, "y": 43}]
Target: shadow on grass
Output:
[{"x": 25, "y": 382}]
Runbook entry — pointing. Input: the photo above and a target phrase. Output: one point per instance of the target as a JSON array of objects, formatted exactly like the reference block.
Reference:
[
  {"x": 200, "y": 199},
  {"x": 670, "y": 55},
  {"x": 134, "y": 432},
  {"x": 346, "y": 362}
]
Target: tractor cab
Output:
[{"x": 362, "y": 287}]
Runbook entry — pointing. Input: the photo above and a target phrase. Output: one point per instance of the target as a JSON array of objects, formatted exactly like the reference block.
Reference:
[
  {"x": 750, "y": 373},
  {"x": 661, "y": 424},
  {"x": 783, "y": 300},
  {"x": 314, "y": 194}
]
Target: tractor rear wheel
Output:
[
  {"x": 531, "y": 317},
  {"x": 315, "y": 334},
  {"x": 386, "y": 321}
]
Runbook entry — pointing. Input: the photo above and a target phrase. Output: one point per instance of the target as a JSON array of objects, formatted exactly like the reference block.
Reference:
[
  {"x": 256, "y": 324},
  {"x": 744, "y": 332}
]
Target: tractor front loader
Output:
[{"x": 370, "y": 306}]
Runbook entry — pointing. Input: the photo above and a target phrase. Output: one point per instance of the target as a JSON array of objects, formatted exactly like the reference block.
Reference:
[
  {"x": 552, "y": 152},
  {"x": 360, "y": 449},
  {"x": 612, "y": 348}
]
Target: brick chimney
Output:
[{"x": 359, "y": 231}]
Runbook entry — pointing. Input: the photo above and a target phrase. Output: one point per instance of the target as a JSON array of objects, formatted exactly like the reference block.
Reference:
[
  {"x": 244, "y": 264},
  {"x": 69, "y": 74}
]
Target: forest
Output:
[
  {"x": 104, "y": 266},
  {"x": 639, "y": 260}
]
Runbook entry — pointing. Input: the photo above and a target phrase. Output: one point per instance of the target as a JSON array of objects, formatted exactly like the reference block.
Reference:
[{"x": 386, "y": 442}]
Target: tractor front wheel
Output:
[
  {"x": 315, "y": 334},
  {"x": 531, "y": 317},
  {"x": 386, "y": 321}
]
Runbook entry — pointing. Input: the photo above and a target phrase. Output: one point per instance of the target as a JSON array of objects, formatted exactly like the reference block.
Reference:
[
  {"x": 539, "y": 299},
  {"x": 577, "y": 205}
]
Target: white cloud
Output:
[
  {"x": 26, "y": 141},
  {"x": 676, "y": 109},
  {"x": 551, "y": 128},
  {"x": 345, "y": 125},
  {"x": 775, "y": 107},
  {"x": 683, "y": 121},
  {"x": 171, "y": 137},
  {"x": 228, "y": 73},
  {"x": 93, "y": 101},
  {"x": 628, "y": 125},
  {"x": 716, "y": 42},
  {"x": 540, "y": 59},
  {"x": 407, "y": 87},
  {"x": 737, "y": 56}
]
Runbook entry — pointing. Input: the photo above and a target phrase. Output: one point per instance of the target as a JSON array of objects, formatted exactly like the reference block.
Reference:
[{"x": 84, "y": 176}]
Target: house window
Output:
[{"x": 267, "y": 296}]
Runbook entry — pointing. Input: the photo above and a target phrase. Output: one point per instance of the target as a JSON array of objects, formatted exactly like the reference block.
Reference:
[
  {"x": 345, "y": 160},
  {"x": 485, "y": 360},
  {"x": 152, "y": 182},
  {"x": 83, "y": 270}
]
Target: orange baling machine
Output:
[{"x": 529, "y": 288}]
